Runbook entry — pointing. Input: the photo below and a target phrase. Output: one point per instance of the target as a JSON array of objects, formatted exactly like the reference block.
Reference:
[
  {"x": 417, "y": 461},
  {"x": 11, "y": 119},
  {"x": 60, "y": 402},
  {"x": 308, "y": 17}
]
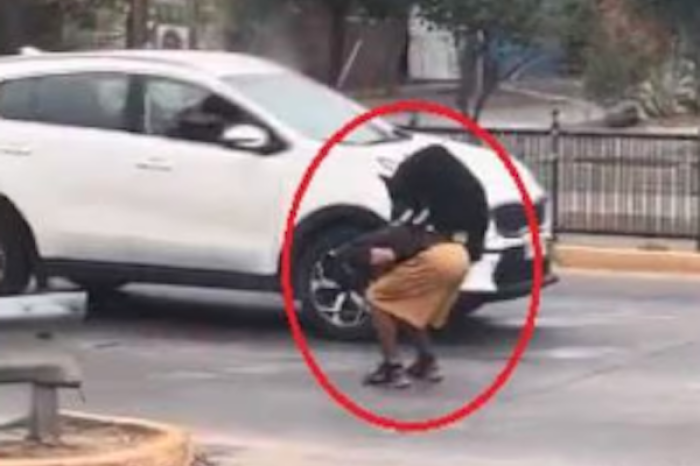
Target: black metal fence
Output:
[{"x": 611, "y": 183}]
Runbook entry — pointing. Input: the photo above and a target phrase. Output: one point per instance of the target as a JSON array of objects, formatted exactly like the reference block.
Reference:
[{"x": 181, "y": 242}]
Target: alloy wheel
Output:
[{"x": 341, "y": 308}]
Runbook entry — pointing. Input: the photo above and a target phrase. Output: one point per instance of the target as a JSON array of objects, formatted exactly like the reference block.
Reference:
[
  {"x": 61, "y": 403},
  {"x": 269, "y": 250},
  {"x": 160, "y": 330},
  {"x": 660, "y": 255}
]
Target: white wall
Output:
[{"x": 432, "y": 52}]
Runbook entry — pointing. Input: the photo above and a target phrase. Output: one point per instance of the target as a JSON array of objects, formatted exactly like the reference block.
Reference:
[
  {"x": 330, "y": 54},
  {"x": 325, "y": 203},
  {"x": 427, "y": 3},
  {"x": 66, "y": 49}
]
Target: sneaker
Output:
[
  {"x": 388, "y": 375},
  {"x": 427, "y": 369}
]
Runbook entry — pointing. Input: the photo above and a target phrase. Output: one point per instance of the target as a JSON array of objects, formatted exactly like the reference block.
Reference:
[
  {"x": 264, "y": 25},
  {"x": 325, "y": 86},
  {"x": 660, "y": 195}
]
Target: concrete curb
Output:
[
  {"x": 627, "y": 260},
  {"x": 171, "y": 447}
]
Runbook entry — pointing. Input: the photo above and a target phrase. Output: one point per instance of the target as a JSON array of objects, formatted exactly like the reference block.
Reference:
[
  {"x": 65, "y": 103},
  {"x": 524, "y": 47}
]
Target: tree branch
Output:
[
  {"x": 495, "y": 79},
  {"x": 513, "y": 70}
]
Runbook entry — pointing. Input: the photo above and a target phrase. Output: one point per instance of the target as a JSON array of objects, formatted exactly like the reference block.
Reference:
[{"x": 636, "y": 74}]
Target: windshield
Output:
[{"x": 311, "y": 109}]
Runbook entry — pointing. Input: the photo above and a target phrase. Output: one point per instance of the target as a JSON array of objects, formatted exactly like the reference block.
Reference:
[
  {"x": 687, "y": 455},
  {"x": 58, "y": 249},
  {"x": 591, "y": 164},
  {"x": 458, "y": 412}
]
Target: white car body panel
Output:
[{"x": 86, "y": 197}]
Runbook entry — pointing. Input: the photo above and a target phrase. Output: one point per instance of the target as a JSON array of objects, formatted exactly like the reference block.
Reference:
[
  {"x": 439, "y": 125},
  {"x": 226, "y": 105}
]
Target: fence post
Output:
[
  {"x": 555, "y": 156},
  {"x": 697, "y": 192}
]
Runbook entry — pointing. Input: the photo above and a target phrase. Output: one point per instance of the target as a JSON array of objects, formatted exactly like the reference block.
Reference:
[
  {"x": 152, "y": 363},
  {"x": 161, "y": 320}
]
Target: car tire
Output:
[
  {"x": 100, "y": 293},
  {"x": 326, "y": 310},
  {"x": 467, "y": 305},
  {"x": 102, "y": 296},
  {"x": 15, "y": 265}
]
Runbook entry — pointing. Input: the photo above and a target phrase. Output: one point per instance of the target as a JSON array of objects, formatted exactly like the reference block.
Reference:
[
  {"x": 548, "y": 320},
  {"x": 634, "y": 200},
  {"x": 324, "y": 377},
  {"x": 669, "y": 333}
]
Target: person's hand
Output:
[{"x": 381, "y": 257}]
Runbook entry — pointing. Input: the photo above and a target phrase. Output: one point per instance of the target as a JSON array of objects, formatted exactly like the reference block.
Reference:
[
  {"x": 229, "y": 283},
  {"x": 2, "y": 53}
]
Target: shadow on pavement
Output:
[{"x": 218, "y": 317}]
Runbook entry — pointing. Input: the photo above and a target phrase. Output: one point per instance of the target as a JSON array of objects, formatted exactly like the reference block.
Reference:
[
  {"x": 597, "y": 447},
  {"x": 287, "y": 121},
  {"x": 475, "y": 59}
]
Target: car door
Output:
[
  {"x": 203, "y": 205},
  {"x": 72, "y": 164}
]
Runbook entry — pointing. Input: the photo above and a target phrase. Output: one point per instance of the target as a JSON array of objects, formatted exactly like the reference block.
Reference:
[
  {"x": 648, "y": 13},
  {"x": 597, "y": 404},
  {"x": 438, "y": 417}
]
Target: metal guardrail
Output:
[
  {"x": 31, "y": 320},
  {"x": 609, "y": 182}
]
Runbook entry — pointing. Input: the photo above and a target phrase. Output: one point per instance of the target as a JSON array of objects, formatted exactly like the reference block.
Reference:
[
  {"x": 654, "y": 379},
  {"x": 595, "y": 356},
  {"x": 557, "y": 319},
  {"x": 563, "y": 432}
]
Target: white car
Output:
[{"x": 113, "y": 171}]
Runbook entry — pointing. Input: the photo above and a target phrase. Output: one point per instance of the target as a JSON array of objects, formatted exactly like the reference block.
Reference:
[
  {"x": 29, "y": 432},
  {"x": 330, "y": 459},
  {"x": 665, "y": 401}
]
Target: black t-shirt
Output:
[{"x": 435, "y": 190}]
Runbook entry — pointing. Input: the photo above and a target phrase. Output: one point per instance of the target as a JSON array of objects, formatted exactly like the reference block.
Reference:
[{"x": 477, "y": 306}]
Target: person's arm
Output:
[{"x": 380, "y": 257}]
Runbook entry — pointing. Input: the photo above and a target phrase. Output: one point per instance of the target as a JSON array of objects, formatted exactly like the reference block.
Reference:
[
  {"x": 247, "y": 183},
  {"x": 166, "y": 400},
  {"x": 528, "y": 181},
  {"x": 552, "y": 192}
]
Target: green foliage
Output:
[
  {"x": 612, "y": 70},
  {"x": 83, "y": 12},
  {"x": 575, "y": 23},
  {"x": 261, "y": 9},
  {"x": 514, "y": 20},
  {"x": 478, "y": 26},
  {"x": 680, "y": 16}
]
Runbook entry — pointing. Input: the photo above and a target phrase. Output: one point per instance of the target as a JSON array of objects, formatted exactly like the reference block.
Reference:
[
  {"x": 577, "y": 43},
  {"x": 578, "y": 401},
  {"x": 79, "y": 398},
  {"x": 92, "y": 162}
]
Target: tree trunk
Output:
[
  {"x": 467, "y": 70},
  {"x": 696, "y": 59},
  {"x": 491, "y": 81},
  {"x": 137, "y": 24}
]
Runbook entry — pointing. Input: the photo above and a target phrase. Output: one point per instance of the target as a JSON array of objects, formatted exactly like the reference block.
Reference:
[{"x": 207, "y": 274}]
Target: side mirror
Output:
[{"x": 248, "y": 137}]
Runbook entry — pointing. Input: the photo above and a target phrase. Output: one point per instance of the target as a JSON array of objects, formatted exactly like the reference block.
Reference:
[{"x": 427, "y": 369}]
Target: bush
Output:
[
  {"x": 670, "y": 90},
  {"x": 613, "y": 70}
]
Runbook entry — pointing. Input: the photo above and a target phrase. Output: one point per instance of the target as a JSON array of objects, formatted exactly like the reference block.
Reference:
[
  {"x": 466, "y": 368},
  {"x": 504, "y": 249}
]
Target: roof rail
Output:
[{"x": 29, "y": 50}]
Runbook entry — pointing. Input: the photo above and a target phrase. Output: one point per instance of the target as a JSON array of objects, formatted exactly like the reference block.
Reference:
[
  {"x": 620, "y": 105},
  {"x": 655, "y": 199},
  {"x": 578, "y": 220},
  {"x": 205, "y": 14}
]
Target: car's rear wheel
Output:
[
  {"x": 330, "y": 311},
  {"x": 15, "y": 266},
  {"x": 102, "y": 295}
]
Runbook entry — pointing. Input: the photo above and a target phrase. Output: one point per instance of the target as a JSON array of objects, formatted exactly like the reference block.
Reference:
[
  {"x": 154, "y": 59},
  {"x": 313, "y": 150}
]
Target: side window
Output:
[
  {"x": 17, "y": 100},
  {"x": 97, "y": 101},
  {"x": 181, "y": 110}
]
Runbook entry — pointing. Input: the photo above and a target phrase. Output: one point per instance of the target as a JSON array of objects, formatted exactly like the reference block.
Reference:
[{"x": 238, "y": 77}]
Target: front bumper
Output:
[
  {"x": 517, "y": 290},
  {"x": 508, "y": 274}
]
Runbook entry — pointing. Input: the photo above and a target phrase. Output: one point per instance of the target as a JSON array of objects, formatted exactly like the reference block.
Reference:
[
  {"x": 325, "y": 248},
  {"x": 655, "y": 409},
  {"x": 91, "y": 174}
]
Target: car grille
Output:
[{"x": 511, "y": 220}]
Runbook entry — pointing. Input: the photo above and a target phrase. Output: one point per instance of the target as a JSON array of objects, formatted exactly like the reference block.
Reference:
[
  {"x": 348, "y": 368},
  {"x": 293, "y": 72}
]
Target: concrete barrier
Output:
[{"x": 31, "y": 357}]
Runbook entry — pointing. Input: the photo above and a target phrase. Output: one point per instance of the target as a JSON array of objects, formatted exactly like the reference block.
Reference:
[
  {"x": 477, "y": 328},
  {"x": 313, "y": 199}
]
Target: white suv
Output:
[{"x": 180, "y": 167}]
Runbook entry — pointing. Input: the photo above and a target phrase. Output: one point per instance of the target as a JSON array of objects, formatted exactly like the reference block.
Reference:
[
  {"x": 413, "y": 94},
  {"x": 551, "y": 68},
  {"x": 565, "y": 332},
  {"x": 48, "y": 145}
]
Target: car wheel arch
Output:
[{"x": 316, "y": 223}]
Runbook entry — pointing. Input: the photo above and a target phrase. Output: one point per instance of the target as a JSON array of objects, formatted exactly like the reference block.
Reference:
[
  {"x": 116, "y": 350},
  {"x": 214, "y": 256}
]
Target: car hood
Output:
[{"x": 484, "y": 163}]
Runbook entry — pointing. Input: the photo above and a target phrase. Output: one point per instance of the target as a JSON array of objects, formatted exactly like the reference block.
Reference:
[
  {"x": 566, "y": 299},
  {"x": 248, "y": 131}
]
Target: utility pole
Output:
[{"x": 137, "y": 24}]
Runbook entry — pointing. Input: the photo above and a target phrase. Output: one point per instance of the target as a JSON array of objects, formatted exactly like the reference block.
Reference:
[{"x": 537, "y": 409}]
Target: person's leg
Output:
[
  {"x": 420, "y": 339},
  {"x": 425, "y": 367},
  {"x": 387, "y": 333},
  {"x": 390, "y": 371}
]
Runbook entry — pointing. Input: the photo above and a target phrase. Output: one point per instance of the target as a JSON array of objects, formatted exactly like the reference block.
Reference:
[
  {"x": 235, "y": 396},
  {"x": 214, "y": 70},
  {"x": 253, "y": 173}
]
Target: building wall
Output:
[{"x": 301, "y": 39}]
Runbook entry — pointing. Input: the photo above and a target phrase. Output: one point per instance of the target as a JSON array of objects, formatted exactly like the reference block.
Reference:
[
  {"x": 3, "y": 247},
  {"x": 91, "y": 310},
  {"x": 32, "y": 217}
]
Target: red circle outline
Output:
[{"x": 527, "y": 332}]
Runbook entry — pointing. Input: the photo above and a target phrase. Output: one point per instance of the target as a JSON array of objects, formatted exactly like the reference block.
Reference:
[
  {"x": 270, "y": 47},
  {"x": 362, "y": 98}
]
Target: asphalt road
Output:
[{"x": 612, "y": 378}]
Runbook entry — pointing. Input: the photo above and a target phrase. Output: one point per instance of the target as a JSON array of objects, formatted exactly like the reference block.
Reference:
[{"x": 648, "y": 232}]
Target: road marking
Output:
[
  {"x": 576, "y": 353},
  {"x": 599, "y": 273},
  {"x": 588, "y": 320}
]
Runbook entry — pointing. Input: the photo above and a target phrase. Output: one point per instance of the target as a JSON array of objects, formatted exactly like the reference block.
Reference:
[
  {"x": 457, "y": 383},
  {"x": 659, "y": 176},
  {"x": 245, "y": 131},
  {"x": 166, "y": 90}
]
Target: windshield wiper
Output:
[{"x": 396, "y": 135}]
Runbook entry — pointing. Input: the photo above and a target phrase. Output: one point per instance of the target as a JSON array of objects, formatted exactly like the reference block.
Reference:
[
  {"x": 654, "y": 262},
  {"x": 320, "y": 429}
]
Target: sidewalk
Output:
[
  {"x": 514, "y": 105},
  {"x": 628, "y": 255},
  {"x": 627, "y": 242}
]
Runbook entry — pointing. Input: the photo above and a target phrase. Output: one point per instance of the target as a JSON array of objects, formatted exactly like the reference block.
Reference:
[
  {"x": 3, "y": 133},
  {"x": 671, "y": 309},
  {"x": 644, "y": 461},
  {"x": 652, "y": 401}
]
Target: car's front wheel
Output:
[{"x": 328, "y": 309}]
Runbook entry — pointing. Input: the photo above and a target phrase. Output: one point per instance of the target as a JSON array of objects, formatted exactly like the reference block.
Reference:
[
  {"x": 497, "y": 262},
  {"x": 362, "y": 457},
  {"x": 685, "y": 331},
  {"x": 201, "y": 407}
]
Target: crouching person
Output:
[{"x": 441, "y": 210}]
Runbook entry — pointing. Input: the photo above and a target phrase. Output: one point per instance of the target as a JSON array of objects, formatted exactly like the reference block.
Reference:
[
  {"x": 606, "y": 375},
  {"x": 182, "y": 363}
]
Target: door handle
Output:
[
  {"x": 15, "y": 151},
  {"x": 155, "y": 164}
]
